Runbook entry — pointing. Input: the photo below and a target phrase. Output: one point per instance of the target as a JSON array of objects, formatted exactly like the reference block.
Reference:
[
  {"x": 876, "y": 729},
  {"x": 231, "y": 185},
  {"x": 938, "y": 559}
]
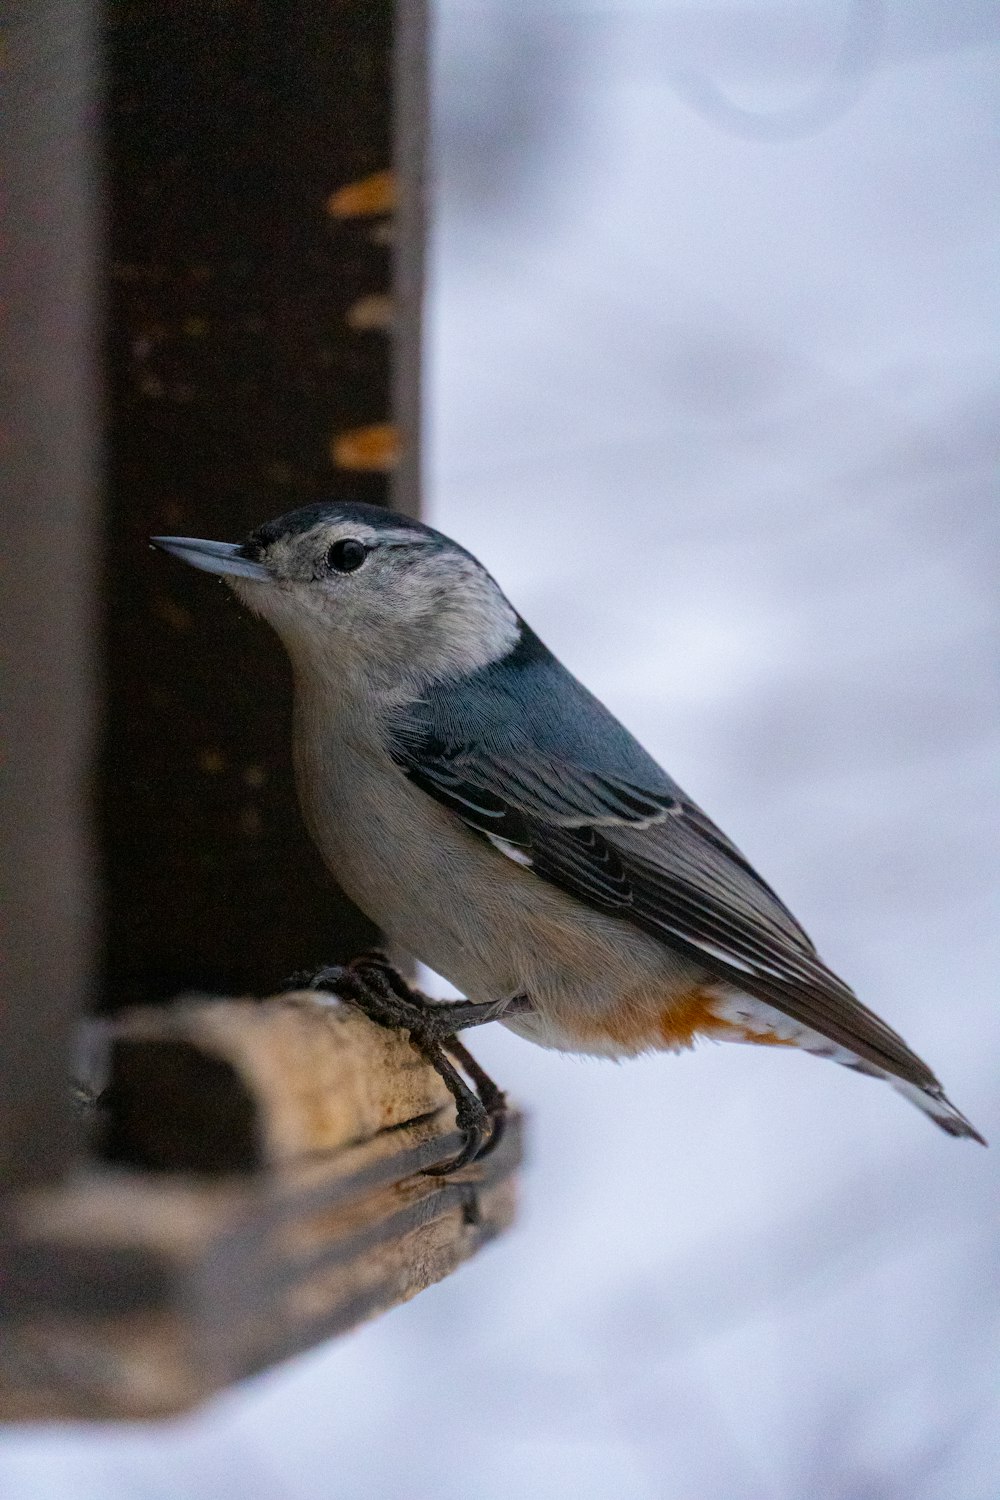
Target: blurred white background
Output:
[{"x": 713, "y": 381}]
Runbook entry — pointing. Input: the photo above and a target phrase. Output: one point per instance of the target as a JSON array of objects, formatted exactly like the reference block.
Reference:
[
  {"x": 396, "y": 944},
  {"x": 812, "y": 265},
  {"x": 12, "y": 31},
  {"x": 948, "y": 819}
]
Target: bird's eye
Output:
[{"x": 347, "y": 555}]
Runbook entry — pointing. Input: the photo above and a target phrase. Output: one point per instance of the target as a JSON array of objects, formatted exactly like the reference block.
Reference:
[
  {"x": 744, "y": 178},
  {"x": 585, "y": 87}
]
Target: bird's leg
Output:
[
  {"x": 438, "y": 1019},
  {"x": 493, "y": 1099},
  {"x": 471, "y": 1115},
  {"x": 371, "y": 985}
]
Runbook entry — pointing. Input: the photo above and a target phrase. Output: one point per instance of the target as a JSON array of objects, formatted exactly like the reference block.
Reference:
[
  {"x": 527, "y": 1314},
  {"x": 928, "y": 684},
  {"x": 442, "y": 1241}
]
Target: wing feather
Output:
[{"x": 594, "y": 814}]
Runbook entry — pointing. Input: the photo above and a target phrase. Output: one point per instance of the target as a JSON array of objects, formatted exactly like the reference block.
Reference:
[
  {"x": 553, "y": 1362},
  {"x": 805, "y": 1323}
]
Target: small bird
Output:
[{"x": 493, "y": 819}]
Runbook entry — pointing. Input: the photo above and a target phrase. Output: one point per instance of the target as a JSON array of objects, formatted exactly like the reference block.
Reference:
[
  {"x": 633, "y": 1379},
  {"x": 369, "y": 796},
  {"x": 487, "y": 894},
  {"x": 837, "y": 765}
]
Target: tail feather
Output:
[
  {"x": 753, "y": 1020},
  {"x": 940, "y": 1109}
]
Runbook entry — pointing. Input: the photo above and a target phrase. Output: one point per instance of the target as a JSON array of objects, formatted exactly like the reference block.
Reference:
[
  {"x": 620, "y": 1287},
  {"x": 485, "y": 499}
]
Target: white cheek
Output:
[
  {"x": 477, "y": 631},
  {"x": 408, "y": 629}
]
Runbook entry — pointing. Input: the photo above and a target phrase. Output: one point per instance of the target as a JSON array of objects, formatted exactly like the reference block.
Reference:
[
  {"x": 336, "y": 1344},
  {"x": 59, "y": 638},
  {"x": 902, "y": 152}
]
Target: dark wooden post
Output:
[{"x": 262, "y": 250}]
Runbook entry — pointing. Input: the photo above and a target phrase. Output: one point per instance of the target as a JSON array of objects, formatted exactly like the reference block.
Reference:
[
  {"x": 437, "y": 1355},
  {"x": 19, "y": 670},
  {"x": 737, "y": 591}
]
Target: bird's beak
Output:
[{"x": 227, "y": 558}]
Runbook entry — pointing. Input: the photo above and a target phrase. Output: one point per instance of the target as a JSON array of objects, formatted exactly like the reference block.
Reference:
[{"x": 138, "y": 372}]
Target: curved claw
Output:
[
  {"x": 326, "y": 978},
  {"x": 472, "y": 1122},
  {"x": 498, "y": 1123}
]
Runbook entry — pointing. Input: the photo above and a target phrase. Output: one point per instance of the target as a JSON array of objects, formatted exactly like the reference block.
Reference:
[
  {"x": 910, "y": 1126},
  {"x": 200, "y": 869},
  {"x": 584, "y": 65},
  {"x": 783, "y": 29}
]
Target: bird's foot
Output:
[
  {"x": 492, "y": 1098},
  {"x": 373, "y": 986}
]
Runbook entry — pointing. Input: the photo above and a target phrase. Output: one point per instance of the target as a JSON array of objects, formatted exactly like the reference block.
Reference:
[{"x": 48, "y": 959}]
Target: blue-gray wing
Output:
[{"x": 525, "y": 756}]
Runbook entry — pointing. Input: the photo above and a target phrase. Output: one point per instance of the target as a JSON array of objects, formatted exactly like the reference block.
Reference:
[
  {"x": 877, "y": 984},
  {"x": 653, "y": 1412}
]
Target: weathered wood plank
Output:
[
  {"x": 139, "y": 1290},
  {"x": 229, "y": 1085}
]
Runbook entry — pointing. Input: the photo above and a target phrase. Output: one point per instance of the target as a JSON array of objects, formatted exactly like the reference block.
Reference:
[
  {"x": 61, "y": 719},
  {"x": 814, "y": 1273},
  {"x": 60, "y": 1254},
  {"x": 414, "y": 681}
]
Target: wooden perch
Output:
[
  {"x": 262, "y": 1189},
  {"x": 217, "y": 1085}
]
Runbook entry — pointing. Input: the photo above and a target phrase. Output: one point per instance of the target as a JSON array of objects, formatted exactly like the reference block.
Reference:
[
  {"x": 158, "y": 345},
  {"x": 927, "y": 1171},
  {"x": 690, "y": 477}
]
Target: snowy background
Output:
[{"x": 713, "y": 392}]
